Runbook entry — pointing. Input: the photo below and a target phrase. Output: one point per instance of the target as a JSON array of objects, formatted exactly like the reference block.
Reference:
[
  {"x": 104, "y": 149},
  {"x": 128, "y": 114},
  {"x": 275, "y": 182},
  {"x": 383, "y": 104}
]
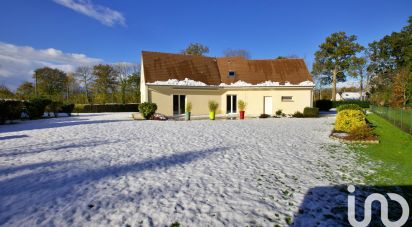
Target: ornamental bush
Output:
[
  {"x": 147, "y": 109},
  {"x": 349, "y": 120},
  {"x": 348, "y": 107},
  {"x": 311, "y": 112}
]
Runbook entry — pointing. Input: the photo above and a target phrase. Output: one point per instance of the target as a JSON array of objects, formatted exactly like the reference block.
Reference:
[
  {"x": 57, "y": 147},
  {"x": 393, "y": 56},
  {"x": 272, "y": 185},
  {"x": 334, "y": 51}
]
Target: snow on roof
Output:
[{"x": 239, "y": 83}]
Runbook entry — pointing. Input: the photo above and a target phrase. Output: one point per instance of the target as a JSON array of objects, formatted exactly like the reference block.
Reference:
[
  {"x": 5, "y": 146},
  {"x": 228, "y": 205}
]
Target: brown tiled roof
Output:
[{"x": 213, "y": 71}]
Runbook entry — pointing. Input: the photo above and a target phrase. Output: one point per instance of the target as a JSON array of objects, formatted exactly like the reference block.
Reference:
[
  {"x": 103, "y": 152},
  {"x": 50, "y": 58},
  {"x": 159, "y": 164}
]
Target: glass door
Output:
[
  {"x": 231, "y": 104},
  {"x": 179, "y": 102}
]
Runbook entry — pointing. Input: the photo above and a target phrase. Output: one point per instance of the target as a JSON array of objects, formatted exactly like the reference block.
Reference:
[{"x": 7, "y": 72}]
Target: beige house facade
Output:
[{"x": 173, "y": 80}]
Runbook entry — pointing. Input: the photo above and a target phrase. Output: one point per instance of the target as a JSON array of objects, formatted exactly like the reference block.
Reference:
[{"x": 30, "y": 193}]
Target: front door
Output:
[
  {"x": 267, "y": 103},
  {"x": 179, "y": 104},
  {"x": 231, "y": 101}
]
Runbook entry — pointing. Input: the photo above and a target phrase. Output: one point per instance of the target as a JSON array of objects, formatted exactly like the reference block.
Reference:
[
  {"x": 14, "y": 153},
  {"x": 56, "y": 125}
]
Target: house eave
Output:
[{"x": 216, "y": 87}]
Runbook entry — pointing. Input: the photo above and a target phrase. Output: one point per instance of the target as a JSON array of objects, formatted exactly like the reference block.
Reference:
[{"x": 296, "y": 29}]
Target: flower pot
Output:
[
  {"x": 211, "y": 115},
  {"x": 187, "y": 116},
  {"x": 242, "y": 115}
]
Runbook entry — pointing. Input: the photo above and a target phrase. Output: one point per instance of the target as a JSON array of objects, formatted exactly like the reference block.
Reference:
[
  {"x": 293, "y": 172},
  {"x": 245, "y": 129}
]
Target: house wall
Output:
[{"x": 163, "y": 97}]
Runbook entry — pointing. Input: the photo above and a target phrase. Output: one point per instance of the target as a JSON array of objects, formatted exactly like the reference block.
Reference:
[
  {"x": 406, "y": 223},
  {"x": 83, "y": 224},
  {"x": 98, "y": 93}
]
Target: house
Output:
[
  {"x": 171, "y": 80},
  {"x": 350, "y": 96}
]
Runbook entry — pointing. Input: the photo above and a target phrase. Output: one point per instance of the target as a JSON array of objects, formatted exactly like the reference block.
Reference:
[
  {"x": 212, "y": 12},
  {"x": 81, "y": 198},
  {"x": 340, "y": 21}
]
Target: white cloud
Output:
[
  {"x": 17, "y": 63},
  {"x": 103, "y": 14}
]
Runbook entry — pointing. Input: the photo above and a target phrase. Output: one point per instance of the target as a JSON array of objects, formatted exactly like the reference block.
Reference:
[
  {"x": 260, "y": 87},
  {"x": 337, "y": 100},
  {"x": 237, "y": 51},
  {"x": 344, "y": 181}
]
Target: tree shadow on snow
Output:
[
  {"x": 62, "y": 179},
  {"x": 52, "y": 123},
  {"x": 328, "y": 205},
  {"x": 47, "y": 147},
  {"x": 13, "y": 137}
]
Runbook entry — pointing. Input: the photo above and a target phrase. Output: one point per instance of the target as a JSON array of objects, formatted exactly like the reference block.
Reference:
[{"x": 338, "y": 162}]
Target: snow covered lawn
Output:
[{"x": 105, "y": 169}]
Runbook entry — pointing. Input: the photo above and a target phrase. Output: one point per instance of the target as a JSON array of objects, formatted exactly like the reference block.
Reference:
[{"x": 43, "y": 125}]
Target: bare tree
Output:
[
  {"x": 236, "y": 53},
  {"x": 123, "y": 72},
  {"x": 85, "y": 75}
]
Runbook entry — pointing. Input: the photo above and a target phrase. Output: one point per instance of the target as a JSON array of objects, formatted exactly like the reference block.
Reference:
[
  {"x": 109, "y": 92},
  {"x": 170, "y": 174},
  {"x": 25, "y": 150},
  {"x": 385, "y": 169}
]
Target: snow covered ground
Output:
[{"x": 105, "y": 169}]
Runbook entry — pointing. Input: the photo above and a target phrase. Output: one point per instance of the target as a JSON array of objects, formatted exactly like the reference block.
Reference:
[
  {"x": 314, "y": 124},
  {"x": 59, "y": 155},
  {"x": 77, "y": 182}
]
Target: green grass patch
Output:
[{"x": 393, "y": 155}]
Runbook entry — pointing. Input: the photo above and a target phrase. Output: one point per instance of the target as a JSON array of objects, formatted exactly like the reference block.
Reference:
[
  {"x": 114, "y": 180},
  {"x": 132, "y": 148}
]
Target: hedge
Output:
[
  {"x": 10, "y": 110},
  {"x": 323, "y": 104},
  {"x": 99, "y": 108},
  {"x": 363, "y": 104},
  {"x": 147, "y": 109},
  {"x": 348, "y": 107},
  {"x": 310, "y": 112}
]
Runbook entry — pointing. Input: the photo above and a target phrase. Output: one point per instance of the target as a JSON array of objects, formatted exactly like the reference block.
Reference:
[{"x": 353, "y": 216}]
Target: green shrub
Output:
[
  {"x": 147, "y": 109},
  {"x": 311, "y": 112},
  {"x": 278, "y": 113},
  {"x": 10, "y": 110},
  {"x": 348, "y": 120},
  {"x": 264, "y": 116},
  {"x": 36, "y": 107},
  {"x": 242, "y": 105},
  {"x": 54, "y": 107},
  {"x": 363, "y": 104},
  {"x": 324, "y": 104},
  {"x": 348, "y": 107},
  {"x": 298, "y": 114},
  {"x": 68, "y": 109},
  {"x": 361, "y": 133},
  {"x": 213, "y": 105}
]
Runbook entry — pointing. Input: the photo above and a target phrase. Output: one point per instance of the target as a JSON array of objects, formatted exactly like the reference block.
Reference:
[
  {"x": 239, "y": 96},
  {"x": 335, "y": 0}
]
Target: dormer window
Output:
[{"x": 231, "y": 74}]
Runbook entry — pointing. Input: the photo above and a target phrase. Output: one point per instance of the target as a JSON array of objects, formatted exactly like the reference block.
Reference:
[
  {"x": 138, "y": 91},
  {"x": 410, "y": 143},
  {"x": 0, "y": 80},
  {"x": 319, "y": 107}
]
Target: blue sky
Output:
[{"x": 67, "y": 33}]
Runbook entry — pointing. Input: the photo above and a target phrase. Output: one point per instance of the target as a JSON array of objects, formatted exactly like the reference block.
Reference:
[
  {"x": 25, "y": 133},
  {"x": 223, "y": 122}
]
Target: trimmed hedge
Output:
[
  {"x": 99, "y": 108},
  {"x": 10, "y": 110},
  {"x": 35, "y": 108},
  {"x": 67, "y": 108},
  {"x": 349, "y": 120},
  {"x": 363, "y": 104},
  {"x": 323, "y": 104},
  {"x": 348, "y": 107},
  {"x": 311, "y": 112}
]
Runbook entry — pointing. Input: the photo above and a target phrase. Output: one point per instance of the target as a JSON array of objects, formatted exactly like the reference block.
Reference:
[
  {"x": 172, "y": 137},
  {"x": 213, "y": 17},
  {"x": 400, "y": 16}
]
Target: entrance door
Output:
[
  {"x": 231, "y": 102},
  {"x": 179, "y": 104},
  {"x": 267, "y": 103}
]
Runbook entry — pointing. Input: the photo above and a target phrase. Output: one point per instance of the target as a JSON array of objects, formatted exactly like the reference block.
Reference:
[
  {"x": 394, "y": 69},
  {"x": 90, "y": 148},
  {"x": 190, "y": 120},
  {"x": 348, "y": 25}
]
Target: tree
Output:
[
  {"x": 335, "y": 56},
  {"x": 388, "y": 57},
  {"x": 25, "y": 90},
  {"x": 85, "y": 75},
  {"x": 358, "y": 69},
  {"x": 400, "y": 88},
  {"x": 196, "y": 49},
  {"x": 49, "y": 82},
  {"x": 236, "y": 53},
  {"x": 123, "y": 72},
  {"x": 105, "y": 82},
  {"x": 5, "y": 92},
  {"x": 134, "y": 83}
]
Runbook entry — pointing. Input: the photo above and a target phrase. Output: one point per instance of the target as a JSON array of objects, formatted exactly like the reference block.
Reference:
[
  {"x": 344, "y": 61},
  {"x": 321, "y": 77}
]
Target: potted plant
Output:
[
  {"x": 212, "y": 109},
  {"x": 188, "y": 110},
  {"x": 242, "y": 106}
]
